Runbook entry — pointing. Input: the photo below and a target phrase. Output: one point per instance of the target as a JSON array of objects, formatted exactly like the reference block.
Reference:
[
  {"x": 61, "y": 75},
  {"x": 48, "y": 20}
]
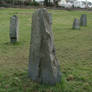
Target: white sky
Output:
[
  {"x": 85, "y": 0},
  {"x": 79, "y": 0}
]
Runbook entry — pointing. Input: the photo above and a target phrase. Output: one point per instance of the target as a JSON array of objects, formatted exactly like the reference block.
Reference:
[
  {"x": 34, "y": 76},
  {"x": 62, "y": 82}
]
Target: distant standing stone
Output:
[
  {"x": 76, "y": 24},
  {"x": 13, "y": 29},
  {"x": 43, "y": 64},
  {"x": 83, "y": 20}
]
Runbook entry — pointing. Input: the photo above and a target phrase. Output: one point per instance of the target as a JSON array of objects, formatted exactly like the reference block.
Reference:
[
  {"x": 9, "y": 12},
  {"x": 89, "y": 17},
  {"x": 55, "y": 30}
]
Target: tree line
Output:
[{"x": 27, "y": 2}]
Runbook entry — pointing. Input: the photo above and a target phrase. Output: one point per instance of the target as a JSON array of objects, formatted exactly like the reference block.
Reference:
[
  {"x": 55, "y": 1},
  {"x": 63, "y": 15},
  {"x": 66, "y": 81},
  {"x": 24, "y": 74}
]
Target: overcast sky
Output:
[
  {"x": 79, "y": 0},
  {"x": 85, "y": 0}
]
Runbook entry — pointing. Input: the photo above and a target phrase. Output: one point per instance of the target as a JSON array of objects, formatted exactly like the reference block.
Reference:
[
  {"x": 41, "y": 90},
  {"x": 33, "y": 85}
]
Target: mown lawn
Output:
[{"x": 73, "y": 47}]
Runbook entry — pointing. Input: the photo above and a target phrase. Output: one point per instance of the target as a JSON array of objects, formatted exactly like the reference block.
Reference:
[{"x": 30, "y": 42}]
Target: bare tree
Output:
[{"x": 86, "y": 4}]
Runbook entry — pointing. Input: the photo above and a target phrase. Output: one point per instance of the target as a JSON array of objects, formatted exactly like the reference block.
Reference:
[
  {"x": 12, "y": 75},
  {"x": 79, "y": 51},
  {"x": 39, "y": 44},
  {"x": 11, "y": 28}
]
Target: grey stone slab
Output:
[
  {"x": 76, "y": 24},
  {"x": 83, "y": 20},
  {"x": 43, "y": 64},
  {"x": 14, "y": 29}
]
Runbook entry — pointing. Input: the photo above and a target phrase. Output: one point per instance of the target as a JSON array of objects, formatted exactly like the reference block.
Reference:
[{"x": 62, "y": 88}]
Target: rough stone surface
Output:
[
  {"x": 43, "y": 64},
  {"x": 83, "y": 20},
  {"x": 76, "y": 24},
  {"x": 13, "y": 29}
]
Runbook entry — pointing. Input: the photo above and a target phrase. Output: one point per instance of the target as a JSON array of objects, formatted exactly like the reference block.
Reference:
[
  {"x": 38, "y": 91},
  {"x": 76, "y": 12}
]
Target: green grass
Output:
[{"x": 73, "y": 48}]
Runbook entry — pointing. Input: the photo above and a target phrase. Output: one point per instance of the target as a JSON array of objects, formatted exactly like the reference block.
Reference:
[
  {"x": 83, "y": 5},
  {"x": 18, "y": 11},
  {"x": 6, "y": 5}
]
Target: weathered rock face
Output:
[
  {"x": 83, "y": 20},
  {"x": 43, "y": 64},
  {"x": 13, "y": 29},
  {"x": 76, "y": 24}
]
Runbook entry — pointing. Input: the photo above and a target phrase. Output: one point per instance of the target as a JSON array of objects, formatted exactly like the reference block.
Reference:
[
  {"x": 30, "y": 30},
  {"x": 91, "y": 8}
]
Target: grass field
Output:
[{"x": 73, "y": 48}]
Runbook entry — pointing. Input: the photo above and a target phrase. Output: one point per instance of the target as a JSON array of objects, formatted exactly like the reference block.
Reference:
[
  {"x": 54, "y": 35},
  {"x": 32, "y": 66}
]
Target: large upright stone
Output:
[
  {"x": 43, "y": 64},
  {"x": 13, "y": 29},
  {"x": 76, "y": 24},
  {"x": 83, "y": 20}
]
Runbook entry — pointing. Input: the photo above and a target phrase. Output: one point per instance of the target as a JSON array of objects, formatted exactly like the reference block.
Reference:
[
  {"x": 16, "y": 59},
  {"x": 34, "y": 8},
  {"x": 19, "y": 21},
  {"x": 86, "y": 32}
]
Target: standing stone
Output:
[
  {"x": 83, "y": 20},
  {"x": 76, "y": 24},
  {"x": 13, "y": 29},
  {"x": 43, "y": 64}
]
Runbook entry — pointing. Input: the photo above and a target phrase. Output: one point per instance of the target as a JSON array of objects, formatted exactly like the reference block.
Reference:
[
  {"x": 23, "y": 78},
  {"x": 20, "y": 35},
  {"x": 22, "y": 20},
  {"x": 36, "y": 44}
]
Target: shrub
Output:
[{"x": 34, "y": 3}]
